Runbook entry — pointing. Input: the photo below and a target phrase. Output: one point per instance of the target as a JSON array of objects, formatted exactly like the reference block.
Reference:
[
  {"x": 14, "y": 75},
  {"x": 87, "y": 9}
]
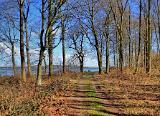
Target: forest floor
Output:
[{"x": 83, "y": 95}]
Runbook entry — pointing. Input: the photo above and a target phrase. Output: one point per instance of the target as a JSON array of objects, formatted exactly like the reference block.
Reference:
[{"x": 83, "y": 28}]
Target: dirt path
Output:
[{"x": 87, "y": 99}]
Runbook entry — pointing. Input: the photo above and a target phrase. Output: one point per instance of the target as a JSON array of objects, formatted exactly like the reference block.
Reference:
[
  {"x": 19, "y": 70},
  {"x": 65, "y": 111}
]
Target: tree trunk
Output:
[
  {"x": 139, "y": 43},
  {"x": 99, "y": 54},
  {"x": 158, "y": 43},
  {"x": 50, "y": 38},
  {"x": 63, "y": 45},
  {"x": 50, "y": 52},
  {"x": 13, "y": 60},
  {"x": 27, "y": 49},
  {"x": 158, "y": 15},
  {"x": 107, "y": 43},
  {"x": 39, "y": 69},
  {"x": 81, "y": 65},
  {"x": 148, "y": 52},
  {"x": 42, "y": 48},
  {"x": 129, "y": 37},
  {"x": 120, "y": 44},
  {"x": 45, "y": 66},
  {"x": 107, "y": 55},
  {"x": 117, "y": 46},
  {"x": 114, "y": 54},
  {"x": 99, "y": 62},
  {"x": 23, "y": 72}
]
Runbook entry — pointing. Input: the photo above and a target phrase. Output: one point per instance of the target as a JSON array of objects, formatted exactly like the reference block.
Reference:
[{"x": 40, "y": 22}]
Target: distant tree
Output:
[
  {"x": 8, "y": 38},
  {"x": 77, "y": 43},
  {"x": 119, "y": 21}
]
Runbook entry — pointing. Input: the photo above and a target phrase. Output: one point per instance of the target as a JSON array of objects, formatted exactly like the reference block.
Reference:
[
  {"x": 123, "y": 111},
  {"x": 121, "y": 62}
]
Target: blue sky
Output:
[{"x": 34, "y": 19}]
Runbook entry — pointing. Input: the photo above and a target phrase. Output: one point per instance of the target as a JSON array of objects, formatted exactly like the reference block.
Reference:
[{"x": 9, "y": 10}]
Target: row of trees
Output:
[{"x": 120, "y": 33}]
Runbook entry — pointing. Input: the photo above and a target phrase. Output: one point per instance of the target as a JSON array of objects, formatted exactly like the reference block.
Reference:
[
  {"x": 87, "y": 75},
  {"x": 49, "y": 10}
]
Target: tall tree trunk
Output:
[
  {"x": 121, "y": 54},
  {"x": 27, "y": 49},
  {"x": 158, "y": 43},
  {"x": 99, "y": 54},
  {"x": 13, "y": 60},
  {"x": 114, "y": 54},
  {"x": 63, "y": 45},
  {"x": 148, "y": 52},
  {"x": 50, "y": 38},
  {"x": 117, "y": 46},
  {"x": 23, "y": 72},
  {"x": 158, "y": 15},
  {"x": 107, "y": 55},
  {"x": 42, "y": 48},
  {"x": 129, "y": 57},
  {"x": 50, "y": 52},
  {"x": 107, "y": 43},
  {"x": 139, "y": 42},
  {"x": 121, "y": 44},
  {"x": 99, "y": 61}
]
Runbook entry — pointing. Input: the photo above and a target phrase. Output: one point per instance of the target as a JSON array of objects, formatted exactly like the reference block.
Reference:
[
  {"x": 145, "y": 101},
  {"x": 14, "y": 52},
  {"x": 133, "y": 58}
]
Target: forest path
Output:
[{"x": 88, "y": 98}]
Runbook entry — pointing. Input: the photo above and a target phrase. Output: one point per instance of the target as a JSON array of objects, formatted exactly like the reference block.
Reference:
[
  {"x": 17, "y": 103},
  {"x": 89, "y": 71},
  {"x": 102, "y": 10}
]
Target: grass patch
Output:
[
  {"x": 97, "y": 105},
  {"x": 97, "y": 113},
  {"x": 87, "y": 76},
  {"x": 91, "y": 94}
]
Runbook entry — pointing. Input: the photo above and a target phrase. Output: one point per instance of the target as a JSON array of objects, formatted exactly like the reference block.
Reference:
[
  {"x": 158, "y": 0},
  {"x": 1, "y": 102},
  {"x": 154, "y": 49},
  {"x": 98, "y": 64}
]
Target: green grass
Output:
[
  {"x": 91, "y": 94},
  {"x": 87, "y": 76},
  {"x": 96, "y": 113}
]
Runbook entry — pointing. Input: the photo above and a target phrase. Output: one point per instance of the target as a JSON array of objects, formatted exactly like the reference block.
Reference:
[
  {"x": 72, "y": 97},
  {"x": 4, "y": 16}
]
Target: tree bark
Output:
[
  {"x": 139, "y": 42},
  {"x": 50, "y": 52},
  {"x": 148, "y": 52},
  {"x": 50, "y": 38},
  {"x": 23, "y": 72},
  {"x": 81, "y": 64},
  {"x": 129, "y": 37},
  {"x": 39, "y": 69},
  {"x": 158, "y": 15},
  {"x": 45, "y": 66},
  {"x": 42, "y": 48},
  {"x": 107, "y": 43},
  {"x": 63, "y": 45},
  {"x": 13, "y": 60},
  {"x": 99, "y": 54},
  {"x": 27, "y": 49}
]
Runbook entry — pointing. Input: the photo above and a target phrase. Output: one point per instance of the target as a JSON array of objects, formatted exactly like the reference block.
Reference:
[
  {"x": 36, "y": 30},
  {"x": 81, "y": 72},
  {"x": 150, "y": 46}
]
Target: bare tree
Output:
[
  {"x": 118, "y": 18},
  {"x": 77, "y": 38},
  {"x": 46, "y": 36},
  {"x": 8, "y": 37}
]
